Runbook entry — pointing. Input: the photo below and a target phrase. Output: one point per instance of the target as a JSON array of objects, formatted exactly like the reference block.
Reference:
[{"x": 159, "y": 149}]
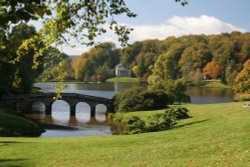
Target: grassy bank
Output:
[
  {"x": 12, "y": 125},
  {"x": 217, "y": 135},
  {"x": 122, "y": 79},
  {"x": 215, "y": 84}
]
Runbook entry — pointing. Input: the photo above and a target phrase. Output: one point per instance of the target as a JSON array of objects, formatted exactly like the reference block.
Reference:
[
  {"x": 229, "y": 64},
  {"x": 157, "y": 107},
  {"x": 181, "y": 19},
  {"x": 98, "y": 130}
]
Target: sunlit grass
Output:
[
  {"x": 216, "y": 135},
  {"x": 122, "y": 79}
]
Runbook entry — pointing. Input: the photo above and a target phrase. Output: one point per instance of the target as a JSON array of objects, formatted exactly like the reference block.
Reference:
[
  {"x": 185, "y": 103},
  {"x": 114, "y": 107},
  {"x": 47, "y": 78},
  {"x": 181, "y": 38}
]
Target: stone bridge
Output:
[{"x": 24, "y": 102}]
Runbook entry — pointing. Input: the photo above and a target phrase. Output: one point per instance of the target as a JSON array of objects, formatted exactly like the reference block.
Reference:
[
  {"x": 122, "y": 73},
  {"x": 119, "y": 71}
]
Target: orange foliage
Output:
[
  {"x": 212, "y": 69},
  {"x": 242, "y": 80}
]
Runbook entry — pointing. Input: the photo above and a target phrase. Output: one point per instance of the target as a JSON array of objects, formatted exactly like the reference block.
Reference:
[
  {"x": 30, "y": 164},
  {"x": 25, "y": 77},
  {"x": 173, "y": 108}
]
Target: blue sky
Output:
[
  {"x": 158, "y": 19},
  {"x": 157, "y": 11}
]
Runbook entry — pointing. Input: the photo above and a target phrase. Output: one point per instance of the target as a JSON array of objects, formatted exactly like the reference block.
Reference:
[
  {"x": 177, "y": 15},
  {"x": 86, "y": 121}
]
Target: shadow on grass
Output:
[
  {"x": 191, "y": 123},
  {"x": 7, "y": 143},
  {"x": 18, "y": 162},
  {"x": 10, "y": 142},
  {"x": 12, "y": 160}
]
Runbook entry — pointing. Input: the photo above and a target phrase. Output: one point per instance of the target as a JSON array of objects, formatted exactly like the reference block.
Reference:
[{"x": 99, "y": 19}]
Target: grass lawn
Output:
[
  {"x": 215, "y": 84},
  {"x": 122, "y": 79},
  {"x": 216, "y": 135}
]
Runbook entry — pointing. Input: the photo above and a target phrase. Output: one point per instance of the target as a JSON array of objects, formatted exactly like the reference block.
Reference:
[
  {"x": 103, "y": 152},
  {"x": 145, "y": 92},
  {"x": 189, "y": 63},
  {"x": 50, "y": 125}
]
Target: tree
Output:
[
  {"x": 183, "y": 2},
  {"x": 194, "y": 57},
  {"x": 96, "y": 63},
  {"x": 55, "y": 72},
  {"x": 82, "y": 20},
  {"x": 138, "y": 99},
  {"x": 79, "y": 19},
  {"x": 198, "y": 77},
  {"x": 179, "y": 91},
  {"x": 225, "y": 55},
  {"x": 166, "y": 65},
  {"x": 176, "y": 90},
  {"x": 144, "y": 61},
  {"x": 213, "y": 69},
  {"x": 20, "y": 76},
  {"x": 241, "y": 83},
  {"x": 78, "y": 66}
]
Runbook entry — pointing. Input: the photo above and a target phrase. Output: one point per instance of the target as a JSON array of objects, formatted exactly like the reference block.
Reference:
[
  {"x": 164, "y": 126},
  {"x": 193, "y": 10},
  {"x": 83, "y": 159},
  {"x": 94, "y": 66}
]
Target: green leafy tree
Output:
[
  {"x": 179, "y": 91},
  {"x": 144, "y": 61},
  {"x": 225, "y": 55},
  {"x": 166, "y": 65},
  {"x": 194, "y": 57},
  {"x": 21, "y": 75},
  {"x": 82, "y": 20},
  {"x": 198, "y": 77},
  {"x": 175, "y": 89},
  {"x": 97, "y": 64}
]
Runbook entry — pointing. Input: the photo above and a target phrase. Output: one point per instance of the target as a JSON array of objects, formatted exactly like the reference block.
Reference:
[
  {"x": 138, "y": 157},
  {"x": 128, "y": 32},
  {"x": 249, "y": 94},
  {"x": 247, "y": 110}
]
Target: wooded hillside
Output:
[{"x": 190, "y": 57}]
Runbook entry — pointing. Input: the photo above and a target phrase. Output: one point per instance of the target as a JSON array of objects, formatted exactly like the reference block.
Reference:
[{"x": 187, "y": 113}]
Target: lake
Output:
[{"x": 84, "y": 125}]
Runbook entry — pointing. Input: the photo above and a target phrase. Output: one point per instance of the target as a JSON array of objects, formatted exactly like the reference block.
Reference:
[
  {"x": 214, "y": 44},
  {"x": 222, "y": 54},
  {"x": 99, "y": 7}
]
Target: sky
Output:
[{"x": 159, "y": 19}]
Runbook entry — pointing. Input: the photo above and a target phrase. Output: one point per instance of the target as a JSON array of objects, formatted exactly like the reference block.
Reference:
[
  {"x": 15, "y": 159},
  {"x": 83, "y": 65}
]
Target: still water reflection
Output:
[
  {"x": 87, "y": 126},
  {"x": 201, "y": 95}
]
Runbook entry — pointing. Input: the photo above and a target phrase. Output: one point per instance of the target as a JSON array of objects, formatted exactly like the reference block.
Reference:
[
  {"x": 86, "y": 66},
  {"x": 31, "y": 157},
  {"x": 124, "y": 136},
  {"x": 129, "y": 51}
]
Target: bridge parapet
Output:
[{"x": 47, "y": 99}]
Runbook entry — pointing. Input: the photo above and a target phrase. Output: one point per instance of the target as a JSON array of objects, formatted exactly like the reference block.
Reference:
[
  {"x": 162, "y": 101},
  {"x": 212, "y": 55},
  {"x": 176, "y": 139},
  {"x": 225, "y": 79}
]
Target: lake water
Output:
[{"x": 85, "y": 125}]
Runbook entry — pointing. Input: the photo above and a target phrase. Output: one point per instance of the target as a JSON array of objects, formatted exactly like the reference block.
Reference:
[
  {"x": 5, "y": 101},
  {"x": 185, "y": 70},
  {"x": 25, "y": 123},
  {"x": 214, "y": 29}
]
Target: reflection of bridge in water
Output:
[
  {"x": 24, "y": 102},
  {"x": 54, "y": 122}
]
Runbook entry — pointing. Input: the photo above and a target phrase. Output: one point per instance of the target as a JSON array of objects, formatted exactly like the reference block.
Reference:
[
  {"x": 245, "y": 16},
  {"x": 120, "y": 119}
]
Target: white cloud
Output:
[
  {"x": 178, "y": 26},
  {"x": 175, "y": 26}
]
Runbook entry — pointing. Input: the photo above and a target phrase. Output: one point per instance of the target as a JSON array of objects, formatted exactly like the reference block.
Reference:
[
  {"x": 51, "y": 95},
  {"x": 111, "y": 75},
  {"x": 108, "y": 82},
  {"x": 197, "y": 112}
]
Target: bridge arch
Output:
[
  {"x": 83, "y": 106},
  {"x": 83, "y": 113},
  {"x": 101, "y": 108},
  {"x": 19, "y": 105},
  {"x": 37, "y": 106},
  {"x": 60, "y": 107}
]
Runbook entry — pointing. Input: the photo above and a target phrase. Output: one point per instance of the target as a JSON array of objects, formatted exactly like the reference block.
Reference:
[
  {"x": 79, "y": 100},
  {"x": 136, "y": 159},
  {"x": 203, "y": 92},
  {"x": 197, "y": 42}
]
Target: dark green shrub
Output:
[
  {"x": 158, "y": 122},
  {"x": 133, "y": 103},
  {"x": 178, "y": 113},
  {"x": 154, "y": 99},
  {"x": 139, "y": 99},
  {"x": 126, "y": 94},
  {"x": 134, "y": 125}
]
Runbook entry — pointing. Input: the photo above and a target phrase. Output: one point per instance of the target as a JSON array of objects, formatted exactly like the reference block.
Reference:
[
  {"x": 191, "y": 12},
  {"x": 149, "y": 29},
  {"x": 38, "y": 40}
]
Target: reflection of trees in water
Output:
[
  {"x": 93, "y": 86},
  {"x": 107, "y": 86},
  {"x": 209, "y": 92}
]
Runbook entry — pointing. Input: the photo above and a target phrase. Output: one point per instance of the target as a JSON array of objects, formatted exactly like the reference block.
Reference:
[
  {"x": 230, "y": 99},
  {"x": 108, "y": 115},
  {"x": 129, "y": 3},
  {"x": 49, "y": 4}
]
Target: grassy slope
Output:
[
  {"x": 122, "y": 79},
  {"x": 217, "y": 135},
  {"x": 12, "y": 125},
  {"x": 215, "y": 84}
]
